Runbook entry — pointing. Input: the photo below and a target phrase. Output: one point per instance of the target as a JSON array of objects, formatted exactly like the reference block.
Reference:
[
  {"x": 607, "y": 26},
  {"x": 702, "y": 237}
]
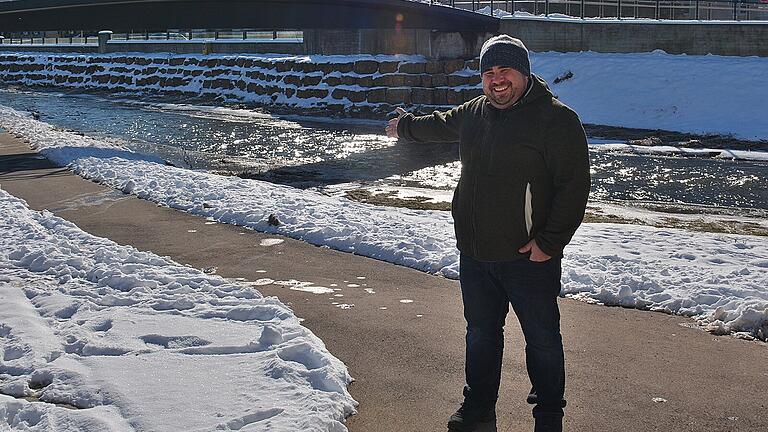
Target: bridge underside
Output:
[{"x": 121, "y": 15}]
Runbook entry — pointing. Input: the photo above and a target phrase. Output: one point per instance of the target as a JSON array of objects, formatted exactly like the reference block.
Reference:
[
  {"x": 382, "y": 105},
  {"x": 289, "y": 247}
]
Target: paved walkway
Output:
[{"x": 407, "y": 359}]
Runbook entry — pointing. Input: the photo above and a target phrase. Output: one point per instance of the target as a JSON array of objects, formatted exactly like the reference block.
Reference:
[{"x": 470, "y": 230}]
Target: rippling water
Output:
[{"x": 307, "y": 152}]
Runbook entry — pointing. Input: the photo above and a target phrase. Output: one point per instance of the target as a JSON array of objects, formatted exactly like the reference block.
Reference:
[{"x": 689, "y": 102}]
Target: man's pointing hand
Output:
[{"x": 392, "y": 124}]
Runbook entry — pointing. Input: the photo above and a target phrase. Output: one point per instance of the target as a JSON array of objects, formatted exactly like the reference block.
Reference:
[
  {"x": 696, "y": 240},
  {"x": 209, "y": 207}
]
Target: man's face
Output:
[{"x": 504, "y": 86}]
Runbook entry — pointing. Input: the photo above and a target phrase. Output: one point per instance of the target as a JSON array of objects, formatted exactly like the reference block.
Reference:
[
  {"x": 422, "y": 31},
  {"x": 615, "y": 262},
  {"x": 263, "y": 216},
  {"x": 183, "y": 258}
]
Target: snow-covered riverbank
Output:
[{"x": 722, "y": 280}]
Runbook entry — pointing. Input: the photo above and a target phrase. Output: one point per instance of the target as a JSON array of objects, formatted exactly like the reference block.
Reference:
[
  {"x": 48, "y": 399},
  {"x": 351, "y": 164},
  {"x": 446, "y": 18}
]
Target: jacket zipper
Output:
[
  {"x": 528, "y": 209},
  {"x": 473, "y": 222}
]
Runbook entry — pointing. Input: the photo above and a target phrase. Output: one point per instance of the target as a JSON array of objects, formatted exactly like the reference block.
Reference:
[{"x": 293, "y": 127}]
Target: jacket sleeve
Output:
[
  {"x": 567, "y": 158},
  {"x": 436, "y": 127}
]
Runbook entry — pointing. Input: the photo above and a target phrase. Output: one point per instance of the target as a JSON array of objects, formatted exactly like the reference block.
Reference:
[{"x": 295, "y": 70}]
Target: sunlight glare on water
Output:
[{"x": 310, "y": 152}]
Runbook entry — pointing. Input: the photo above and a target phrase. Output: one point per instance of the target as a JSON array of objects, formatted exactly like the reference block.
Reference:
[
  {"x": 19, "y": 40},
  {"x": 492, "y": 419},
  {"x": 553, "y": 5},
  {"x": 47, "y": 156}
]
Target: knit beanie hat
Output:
[{"x": 505, "y": 51}]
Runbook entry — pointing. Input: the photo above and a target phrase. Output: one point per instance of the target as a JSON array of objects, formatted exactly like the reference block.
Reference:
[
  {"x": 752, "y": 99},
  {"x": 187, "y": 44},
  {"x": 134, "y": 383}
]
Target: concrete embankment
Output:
[{"x": 372, "y": 83}]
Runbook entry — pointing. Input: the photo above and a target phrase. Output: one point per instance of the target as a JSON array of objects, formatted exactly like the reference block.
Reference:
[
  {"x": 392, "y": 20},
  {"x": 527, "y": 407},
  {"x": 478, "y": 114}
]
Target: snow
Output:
[
  {"x": 719, "y": 279},
  {"x": 640, "y": 90},
  {"x": 662, "y": 91},
  {"x": 74, "y": 358},
  {"x": 666, "y": 150}
]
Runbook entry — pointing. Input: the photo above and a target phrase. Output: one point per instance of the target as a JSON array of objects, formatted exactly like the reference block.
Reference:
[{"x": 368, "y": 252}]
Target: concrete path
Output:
[{"x": 407, "y": 359}]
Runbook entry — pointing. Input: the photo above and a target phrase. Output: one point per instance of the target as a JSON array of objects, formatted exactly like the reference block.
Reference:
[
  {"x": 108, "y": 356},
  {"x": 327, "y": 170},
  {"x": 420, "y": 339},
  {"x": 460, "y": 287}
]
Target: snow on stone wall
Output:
[{"x": 378, "y": 83}]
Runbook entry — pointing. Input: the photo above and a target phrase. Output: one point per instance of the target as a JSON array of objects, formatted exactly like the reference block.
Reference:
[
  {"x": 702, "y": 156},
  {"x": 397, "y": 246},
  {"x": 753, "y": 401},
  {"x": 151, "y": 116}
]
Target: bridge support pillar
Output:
[{"x": 104, "y": 37}]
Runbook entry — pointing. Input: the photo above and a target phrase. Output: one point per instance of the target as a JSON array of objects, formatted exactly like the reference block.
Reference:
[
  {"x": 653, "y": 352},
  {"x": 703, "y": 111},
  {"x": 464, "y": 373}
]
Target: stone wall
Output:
[{"x": 370, "y": 84}]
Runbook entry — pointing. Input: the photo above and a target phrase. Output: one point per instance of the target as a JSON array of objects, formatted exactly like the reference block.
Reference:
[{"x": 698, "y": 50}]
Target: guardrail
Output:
[
  {"x": 623, "y": 9},
  {"x": 176, "y": 35}
]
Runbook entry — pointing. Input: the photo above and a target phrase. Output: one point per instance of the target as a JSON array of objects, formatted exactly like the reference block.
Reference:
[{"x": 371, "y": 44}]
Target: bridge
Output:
[{"x": 122, "y": 15}]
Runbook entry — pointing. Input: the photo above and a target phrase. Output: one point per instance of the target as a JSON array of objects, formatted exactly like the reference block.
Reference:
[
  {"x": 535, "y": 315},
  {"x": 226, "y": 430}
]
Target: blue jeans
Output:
[{"x": 487, "y": 289}]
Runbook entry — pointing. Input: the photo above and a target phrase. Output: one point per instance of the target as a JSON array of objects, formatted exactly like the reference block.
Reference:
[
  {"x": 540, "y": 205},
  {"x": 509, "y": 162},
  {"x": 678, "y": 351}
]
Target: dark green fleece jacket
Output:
[{"x": 524, "y": 172}]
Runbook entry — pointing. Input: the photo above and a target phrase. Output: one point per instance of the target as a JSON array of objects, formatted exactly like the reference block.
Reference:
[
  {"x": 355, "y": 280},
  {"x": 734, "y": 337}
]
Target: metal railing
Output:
[
  {"x": 175, "y": 35},
  {"x": 727, "y": 10}
]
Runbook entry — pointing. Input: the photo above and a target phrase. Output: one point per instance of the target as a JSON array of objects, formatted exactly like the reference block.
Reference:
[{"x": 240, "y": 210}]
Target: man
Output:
[{"x": 522, "y": 194}]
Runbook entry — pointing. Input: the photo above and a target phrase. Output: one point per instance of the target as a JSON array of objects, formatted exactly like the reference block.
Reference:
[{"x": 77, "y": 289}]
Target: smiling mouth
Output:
[{"x": 501, "y": 89}]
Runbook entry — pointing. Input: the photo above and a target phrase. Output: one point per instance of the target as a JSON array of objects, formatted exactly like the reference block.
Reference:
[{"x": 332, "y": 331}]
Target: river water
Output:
[{"x": 328, "y": 154}]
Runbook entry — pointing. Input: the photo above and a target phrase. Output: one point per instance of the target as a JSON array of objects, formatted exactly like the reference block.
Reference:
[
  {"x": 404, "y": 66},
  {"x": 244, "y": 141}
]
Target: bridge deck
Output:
[{"x": 121, "y": 15}]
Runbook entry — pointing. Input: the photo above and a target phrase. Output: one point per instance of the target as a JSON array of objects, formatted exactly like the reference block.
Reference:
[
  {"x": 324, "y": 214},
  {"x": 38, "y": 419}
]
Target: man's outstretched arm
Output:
[{"x": 435, "y": 127}]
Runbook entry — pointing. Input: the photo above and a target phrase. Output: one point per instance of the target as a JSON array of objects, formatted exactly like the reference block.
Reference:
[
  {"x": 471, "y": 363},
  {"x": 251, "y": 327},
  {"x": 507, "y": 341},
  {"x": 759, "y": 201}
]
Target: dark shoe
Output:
[
  {"x": 549, "y": 424},
  {"x": 470, "y": 418}
]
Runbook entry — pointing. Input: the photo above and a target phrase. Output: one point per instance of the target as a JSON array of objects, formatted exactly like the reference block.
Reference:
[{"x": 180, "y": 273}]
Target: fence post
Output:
[
  {"x": 735, "y": 17},
  {"x": 491, "y": 7},
  {"x": 546, "y": 7},
  {"x": 697, "y": 9},
  {"x": 618, "y": 10},
  {"x": 658, "y": 6},
  {"x": 582, "y": 9}
]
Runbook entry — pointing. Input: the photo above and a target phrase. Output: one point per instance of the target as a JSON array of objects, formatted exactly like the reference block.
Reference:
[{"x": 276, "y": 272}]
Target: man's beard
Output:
[{"x": 501, "y": 100}]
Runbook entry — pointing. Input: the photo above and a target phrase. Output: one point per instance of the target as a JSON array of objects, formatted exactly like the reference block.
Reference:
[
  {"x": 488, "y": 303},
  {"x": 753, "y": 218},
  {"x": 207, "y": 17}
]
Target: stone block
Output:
[
  {"x": 440, "y": 96},
  {"x": 391, "y": 80},
  {"x": 332, "y": 81},
  {"x": 255, "y": 88},
  {"x": 366, "y": 67},
  {"x": 457, "y": 80},
  {"x": 344, "y": 67},
  {"x": 307, "y": 67},
  {"x": 454, "y": 97},
  {"x": 326, "y": 68},
  {"x": 426, "y": 80},
  {"x": 290, "y": 91},
  {"x": 412, "y": 68},
  {"x": 377, "y": 95},
  {"x": 312, "y": 93},
  {"x": 365, "y": 81},
  {"x": 283, "y": 66},
  {"x": 412, "y": 80},
  {"x": 398, "y": 96},
  {"x": 421, "y": 96},
  {"x": 439, "y": 80},
  {"x": 451, "y": 66},
  {"x": 311, "y": 80},
  {"x": 292, "y": 80},
  {"x": 176, "y": 61},
  {"x": 339, "y": 93},
  {"x": 386, "y": 67},
  {"x": 473, "y": 64},
  {"x": 433, "y": 67},
  {"x": 356, "y": 96}
]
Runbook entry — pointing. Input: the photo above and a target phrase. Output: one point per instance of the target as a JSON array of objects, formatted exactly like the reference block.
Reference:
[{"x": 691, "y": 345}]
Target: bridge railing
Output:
[
  {"x": 728, "y": 10},
  {"x": 176, "y": 35}
]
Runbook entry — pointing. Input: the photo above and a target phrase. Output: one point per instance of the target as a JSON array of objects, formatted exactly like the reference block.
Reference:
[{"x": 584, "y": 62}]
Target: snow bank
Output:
[
  {"x": 696, "y": 94},
  {"x": 722, "y": 280},
  {"x": 68, "y": 341}
]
